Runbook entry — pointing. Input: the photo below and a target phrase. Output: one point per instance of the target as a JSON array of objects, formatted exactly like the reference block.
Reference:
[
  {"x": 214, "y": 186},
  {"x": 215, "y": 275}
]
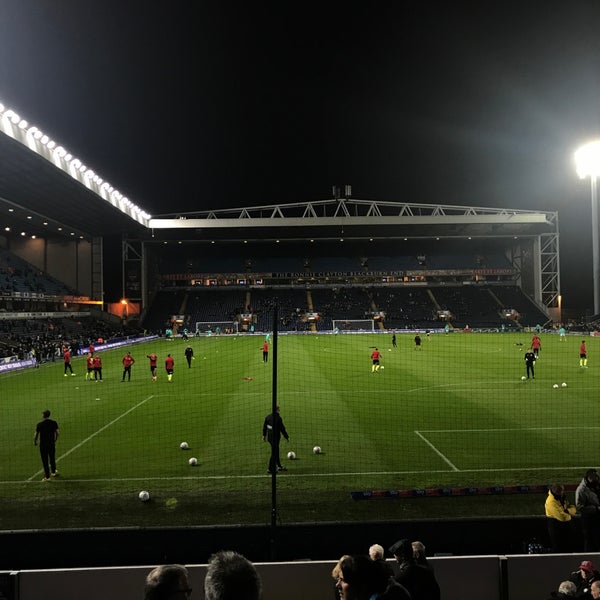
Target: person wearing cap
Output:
[
  {"x": 559, "y": 514},
  {"x": 587, "y": 501},
  {"x": 583, "y": 579},
  {"x": 417, "y": 579}
]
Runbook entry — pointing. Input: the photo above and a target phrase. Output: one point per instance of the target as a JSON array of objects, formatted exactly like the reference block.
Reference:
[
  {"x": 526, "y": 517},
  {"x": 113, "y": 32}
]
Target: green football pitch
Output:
[{"x": 454, "y": 413}]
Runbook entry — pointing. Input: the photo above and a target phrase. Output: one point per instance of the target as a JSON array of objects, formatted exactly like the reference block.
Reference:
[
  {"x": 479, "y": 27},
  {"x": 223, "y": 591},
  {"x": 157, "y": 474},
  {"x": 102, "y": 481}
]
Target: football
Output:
[
  {"x": 382, "y": 367},
  {"x": 317, "y": 450},
  {"x": 555, "y": 386},
  {"x": 144, "y": 496},
  {"x": 523, "y": 378},
  {"x": 193, "y": 461},
  {"x": 563, "y": 384},
  {"x": 184, "y": 445},
  {"x": 291, "y": 455}
]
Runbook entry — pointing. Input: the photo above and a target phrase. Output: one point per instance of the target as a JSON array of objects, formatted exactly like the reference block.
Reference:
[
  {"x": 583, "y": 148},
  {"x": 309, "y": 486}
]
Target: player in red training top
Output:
[
  {"x": 67, "y": 359},
  {"x": 128, "y": 361},
  {"x": 375, "y": 356},
  {"x": 169, "y": 364},
  {"x": 89, "y": 363},
  {"x": 265, "y": 351},
  {"x": 536, "y": 345},
  {"x": 153, "y": 361},
  {"x": 97, "y": 368},
  {"x": 582, "y": 355}
]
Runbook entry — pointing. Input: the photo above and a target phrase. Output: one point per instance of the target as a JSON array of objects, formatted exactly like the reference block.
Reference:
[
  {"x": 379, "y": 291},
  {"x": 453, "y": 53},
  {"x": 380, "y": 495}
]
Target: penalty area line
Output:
[{"x": 442, "y": 456}]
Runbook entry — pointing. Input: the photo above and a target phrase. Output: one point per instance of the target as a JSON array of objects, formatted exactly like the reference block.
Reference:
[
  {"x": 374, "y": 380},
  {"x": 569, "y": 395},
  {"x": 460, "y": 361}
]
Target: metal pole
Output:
[
  {"x": 273, "y": 540},
  {"x": 595, "y": 245}
]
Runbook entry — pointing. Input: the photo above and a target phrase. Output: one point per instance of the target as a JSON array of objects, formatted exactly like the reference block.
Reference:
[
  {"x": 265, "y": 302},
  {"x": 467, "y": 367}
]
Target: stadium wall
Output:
[
  {"x": 495, "y": 577},
  {"x": 193, "y": 545}
]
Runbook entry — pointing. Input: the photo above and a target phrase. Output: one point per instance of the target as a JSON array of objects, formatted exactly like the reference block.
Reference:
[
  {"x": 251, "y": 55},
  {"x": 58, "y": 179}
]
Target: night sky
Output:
[{"x": 187, "y": 105}]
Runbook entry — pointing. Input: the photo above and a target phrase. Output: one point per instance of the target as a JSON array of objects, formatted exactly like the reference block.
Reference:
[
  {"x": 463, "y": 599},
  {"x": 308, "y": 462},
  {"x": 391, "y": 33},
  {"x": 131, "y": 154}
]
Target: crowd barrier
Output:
[{"x": 514, "y": 577}]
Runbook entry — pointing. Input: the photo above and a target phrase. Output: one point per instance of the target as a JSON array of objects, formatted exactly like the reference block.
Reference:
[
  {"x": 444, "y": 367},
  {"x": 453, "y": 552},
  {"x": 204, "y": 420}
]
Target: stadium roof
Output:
[{"x": 45, "y": 191}]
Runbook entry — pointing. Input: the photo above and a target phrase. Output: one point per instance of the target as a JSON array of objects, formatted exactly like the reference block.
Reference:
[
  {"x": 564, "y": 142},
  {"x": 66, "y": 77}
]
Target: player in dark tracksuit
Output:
[
  {"x": 530, "y": 362},
  {"x": 273, "y": 429},
  {"x": 46, "y": 432},
  {"x": 189, "y": 355}
]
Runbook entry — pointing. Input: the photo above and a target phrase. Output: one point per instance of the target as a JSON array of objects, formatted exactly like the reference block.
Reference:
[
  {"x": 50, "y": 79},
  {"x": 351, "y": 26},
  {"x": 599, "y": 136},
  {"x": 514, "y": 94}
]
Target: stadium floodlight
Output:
[{"x": 587, "y": 162}]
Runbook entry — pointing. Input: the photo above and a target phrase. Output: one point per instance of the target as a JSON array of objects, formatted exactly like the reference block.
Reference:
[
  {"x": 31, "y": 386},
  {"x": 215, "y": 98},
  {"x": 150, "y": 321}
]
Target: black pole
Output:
[{"x": 273, "y": 541}]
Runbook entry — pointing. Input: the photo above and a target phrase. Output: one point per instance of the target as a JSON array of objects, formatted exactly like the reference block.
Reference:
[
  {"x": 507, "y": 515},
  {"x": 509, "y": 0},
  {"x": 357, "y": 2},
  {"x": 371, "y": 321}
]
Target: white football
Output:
[
  {"x": 317, "y": 450},
  {"x": 144, "y": 496},
  {"x": 555, "y": 386},
  {"x": 382, "y": 367},
  {"x": 523, "y": 378},
  {"x": 563, "y": 384},
  {"x": 184, "y": 445},
  {"x": 291, "y": 455},
  {"x": 193, "y": 461}
]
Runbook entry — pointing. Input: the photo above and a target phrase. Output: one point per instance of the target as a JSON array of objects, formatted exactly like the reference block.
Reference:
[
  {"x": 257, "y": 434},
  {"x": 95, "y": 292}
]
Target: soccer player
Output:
[
  {"x": 583, "y": 355},
  {"x": 530, "y": 362},
  {"x": 417, "y": 342},
  {"x": 375, "y": 356},
  {"x": 265, "y": 351},
  {"x": 536, "y": 345},
  {"x": 562, "y": 334},
  {"x": 46, "y": 432},
  {"x": 128, "y": 361},
  {"x": 153, "y": 364},
  {"x": 394, "y": 340},
  {"x": 273, "y": 429},
  {"x": 97, "y": 368},
  {"x": 89, "y": 363},
  {"x": 169, "y": 364},
  {"x": 189, "y": 356},
  {"x": 67, "y": 361}
]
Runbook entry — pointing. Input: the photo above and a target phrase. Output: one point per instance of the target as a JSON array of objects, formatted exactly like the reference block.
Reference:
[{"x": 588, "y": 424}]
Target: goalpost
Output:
[
  {"x": 214, "y": 327},
  {"x": 346, "y": 325}
]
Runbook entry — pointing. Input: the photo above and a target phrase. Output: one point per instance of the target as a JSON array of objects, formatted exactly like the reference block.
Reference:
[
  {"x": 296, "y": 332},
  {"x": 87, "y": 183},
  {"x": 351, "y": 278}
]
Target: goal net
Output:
[
  {"x": 343, "y": 325},
  {"x": 216, "y": 327}
]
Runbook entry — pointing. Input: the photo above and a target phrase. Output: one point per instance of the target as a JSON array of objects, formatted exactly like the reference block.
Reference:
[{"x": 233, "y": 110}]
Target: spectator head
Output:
[
  {"x": 231, "y": 576},
  {"x": 418, "y": 549},
  {"x": 402, "y": 550},
  {"x": 592, "y": 476},
  {"x": 361, "y": 578},
  {"x": 586, "y": 569},
  {"x": 568, "y": 588},
  {"x": 594, "y": 589},
  {"x": 376, "y": 552},
  {"x": 167, "y": 582}
]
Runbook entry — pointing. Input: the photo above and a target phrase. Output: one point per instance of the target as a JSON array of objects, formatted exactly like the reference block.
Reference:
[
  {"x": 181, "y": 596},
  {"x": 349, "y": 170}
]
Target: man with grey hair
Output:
[
  {"x": 231, "y": 576},
  {"x": 167, "y": 582}
]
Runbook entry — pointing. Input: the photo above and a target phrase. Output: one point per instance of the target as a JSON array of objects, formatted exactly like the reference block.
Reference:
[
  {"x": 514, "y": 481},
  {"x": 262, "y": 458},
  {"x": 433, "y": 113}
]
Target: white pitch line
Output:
[
  {"x": 87, "y": 439},
  {"x": 442, "y": 456},
  {"x": 512, "y": 429},
  {"x": 308, "y": 475}
]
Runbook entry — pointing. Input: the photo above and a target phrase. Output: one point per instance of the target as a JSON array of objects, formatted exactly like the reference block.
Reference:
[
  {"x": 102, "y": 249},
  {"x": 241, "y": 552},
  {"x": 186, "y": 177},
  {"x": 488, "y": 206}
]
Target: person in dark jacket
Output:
[
  {"x": 583, "y": 579},
  {"x": 417, "y": 579},
  {"x": 273, "y": 429},
  {"x": 587, "y": 502}
]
